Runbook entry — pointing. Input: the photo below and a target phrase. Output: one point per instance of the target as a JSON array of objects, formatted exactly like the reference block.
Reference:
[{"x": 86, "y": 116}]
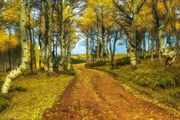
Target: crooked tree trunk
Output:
[{"x": 24, "y": 60}]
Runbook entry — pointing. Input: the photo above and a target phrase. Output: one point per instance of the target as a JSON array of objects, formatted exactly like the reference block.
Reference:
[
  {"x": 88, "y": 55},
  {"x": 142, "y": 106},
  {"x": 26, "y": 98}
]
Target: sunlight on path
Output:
[{"x": 95, "y": 95}]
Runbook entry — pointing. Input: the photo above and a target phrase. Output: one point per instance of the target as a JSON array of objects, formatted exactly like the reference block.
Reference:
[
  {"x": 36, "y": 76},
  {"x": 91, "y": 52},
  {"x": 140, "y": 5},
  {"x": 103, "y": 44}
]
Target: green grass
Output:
[
  {"x": 151, "y": 79},
  {"x": 34, "y": 94}
]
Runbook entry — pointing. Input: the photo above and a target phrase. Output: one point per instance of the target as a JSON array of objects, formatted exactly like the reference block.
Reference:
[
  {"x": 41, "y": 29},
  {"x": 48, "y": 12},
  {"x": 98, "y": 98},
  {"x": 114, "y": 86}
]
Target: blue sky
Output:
[{"x": 81, "y": 48}]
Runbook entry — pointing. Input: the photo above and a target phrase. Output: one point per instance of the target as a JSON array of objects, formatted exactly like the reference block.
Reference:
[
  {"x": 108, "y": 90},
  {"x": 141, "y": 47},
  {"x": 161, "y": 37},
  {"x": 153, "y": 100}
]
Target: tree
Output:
[{"x": 25, "y": 50}]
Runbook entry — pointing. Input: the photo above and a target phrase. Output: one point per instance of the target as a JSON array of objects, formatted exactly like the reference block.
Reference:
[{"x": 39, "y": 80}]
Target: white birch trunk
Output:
[{"x": 25, "y": 51}]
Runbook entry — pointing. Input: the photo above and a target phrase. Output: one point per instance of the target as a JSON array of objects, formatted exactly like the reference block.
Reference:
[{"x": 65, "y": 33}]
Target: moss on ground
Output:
[
  {"x": 38, "y": 93},
  {"x": 152, "y": 79}
]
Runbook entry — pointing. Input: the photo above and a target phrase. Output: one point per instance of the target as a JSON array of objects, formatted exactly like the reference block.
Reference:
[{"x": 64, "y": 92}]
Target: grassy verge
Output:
[
  {"x": 151, "y": 79},
  {"x": 38, "y": 93}
]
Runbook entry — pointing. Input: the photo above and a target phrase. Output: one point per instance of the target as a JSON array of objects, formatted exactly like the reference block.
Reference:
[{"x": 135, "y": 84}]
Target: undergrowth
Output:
[
  {"x": 151, "y": 78},
  {"x": 31, "y": 95}
]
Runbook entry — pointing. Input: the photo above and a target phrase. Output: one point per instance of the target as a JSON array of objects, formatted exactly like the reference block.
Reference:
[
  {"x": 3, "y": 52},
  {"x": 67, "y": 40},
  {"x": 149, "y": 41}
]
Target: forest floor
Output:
[
  {"x": 34, "y": 94},
  {"x": 152, "y": 80},
  {"x": 96, "y": 95}
]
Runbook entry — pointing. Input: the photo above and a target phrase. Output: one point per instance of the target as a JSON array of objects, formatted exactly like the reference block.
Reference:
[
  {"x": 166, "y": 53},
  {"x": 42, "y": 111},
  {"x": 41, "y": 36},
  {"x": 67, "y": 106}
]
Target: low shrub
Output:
[
  {"x": 17, "y": 89},
  {"x": 95, "y": 64},
  {"x": 176, "y": 79},
  {"x": 164, "y": 83},
  {"x": 143, "y": 82},
  {"x": 176, "y": 95},
  {"x": 71, "y": 72},
  {"x": 114, "y": 67},
  {"x": 4, "y": 101},
  {"x": 77, "y": 61},
  {"x": 122, "y": 61}
]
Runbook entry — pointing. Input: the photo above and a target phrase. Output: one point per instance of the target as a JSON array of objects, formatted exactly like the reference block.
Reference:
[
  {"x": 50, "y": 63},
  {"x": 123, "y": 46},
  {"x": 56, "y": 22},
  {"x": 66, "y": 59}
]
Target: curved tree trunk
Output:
[{"x": 25, "y": 51}]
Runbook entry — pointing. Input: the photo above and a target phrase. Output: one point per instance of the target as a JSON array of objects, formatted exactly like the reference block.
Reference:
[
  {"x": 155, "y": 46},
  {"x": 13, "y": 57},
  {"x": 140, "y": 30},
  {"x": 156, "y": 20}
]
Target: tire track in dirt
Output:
[{"x": 95, "y": 95}]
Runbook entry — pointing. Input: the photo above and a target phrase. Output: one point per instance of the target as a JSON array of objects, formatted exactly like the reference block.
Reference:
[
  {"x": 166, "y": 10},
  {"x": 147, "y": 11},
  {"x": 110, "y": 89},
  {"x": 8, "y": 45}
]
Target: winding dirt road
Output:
[{"x": 95, "y": 95}]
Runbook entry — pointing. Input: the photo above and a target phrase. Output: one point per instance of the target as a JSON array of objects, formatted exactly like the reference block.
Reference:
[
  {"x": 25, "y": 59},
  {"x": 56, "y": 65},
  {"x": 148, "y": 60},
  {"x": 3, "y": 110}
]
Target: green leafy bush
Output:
[
  {"x": 177, "y": 79},
  {"x": 5, "y": 98},
  {"x": 71, "y": 72},
  {"x": 4, "y": 101},
  {"x": 77, "y": 61},
  {"x": 17, "y": 88},
  {"x": 152, "y": 79},
  {"x": 123, "y": 61},
  {"x": 143, "y": 82},
  {"x": 98, "y": 63},
  {"x": 176, "y": 95},
  {"x": 165, "y": 83}
]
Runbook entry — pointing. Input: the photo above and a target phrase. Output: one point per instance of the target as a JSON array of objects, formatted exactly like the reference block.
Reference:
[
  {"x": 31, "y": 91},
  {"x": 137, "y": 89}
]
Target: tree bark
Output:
[
  {"x": 87, "y": 47},
  {"x": 103, "y": 42},
  {"x": 98, "y": 44},
  {"x": 114, "y": 48},
  {"x": 91, "y": 45},
  {"x": 50, "y": 56},
  {"x": 133, "y": 41},
  {"x": 153, "y": 44},
  {"x": 62, "y": 40},
  {"x": 24, "y": 60},
  {"x": 107, "y": 43}
]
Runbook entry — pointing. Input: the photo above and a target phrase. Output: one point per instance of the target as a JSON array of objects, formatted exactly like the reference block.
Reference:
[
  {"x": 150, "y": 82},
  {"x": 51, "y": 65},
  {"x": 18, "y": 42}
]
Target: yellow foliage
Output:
[
  {"x": 145, "y": 18},
  {"x": 101, "y": 9},
  {"x": 88, "y": 19},
  {"x": 177, "y": 25},
  {"x": 7, "y": 40},
  {"x": 11, "y": 11}
]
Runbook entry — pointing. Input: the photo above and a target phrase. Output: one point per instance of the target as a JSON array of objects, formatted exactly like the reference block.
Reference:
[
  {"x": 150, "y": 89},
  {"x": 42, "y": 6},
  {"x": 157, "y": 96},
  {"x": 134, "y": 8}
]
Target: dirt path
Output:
[{"x": 95, "y": 95}]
